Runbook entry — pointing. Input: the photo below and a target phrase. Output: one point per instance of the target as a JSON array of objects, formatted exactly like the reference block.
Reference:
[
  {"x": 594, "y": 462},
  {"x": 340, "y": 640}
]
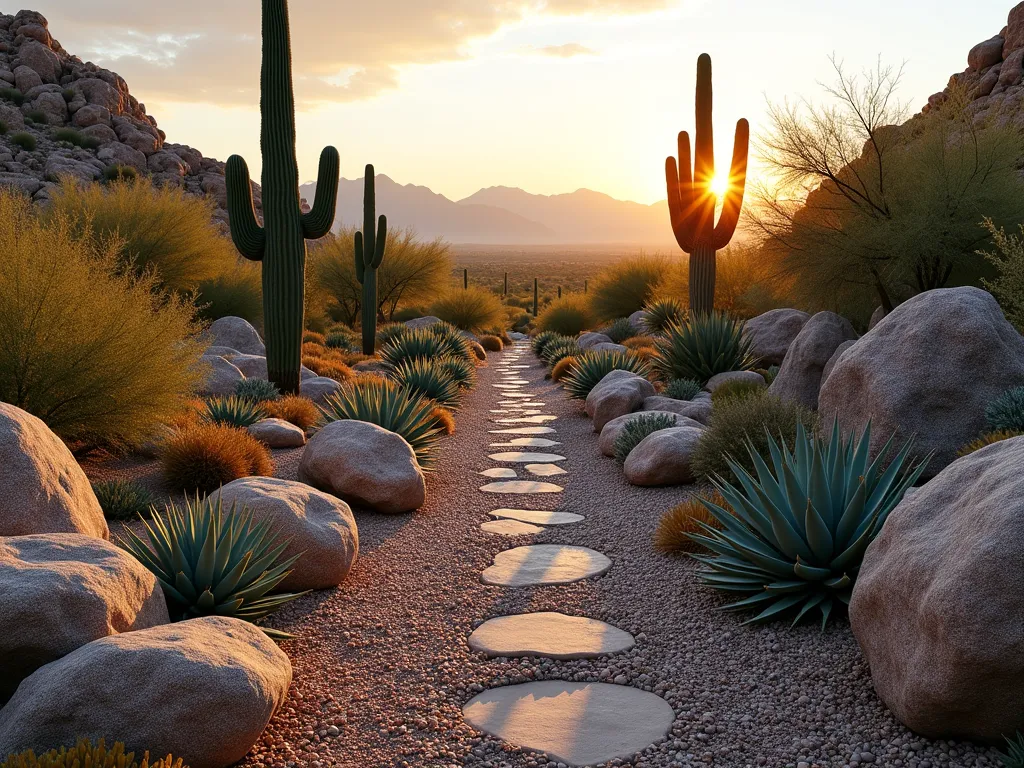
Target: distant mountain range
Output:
[{"x": 508, "y": 215}]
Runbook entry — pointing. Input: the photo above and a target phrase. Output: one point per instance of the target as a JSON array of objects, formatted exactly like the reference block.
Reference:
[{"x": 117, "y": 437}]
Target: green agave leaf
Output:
[
  {"x": 812, "y": 601},
  {"x": 781, "y": 605},
  {"x": 818, "y": 535},
  {"x": 810, "y": 572}
]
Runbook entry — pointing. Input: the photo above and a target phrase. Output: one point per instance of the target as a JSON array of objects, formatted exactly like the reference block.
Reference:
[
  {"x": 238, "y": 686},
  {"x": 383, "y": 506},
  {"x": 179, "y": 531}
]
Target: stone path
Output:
[{"x": 575, "y": 724}]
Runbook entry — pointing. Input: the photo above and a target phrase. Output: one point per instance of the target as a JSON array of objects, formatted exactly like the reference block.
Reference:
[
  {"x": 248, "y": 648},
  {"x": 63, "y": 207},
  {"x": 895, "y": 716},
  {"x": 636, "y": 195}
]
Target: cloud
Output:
[
  {"x": 209, "y": 50},
  {"x": 566, "y": 51}
]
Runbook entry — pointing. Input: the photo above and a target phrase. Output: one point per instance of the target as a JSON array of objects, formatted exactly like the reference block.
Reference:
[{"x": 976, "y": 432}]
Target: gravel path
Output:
[{"x": 382, "y": 667}]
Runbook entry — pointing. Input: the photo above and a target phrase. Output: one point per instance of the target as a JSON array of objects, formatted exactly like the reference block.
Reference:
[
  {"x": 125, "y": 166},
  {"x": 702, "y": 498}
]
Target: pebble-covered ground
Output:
[{"x": 382, "y": 668}]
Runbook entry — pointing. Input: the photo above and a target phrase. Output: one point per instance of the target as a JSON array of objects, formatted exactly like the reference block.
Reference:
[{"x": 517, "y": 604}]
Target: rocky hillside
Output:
[{"x": 44, "y": 89}]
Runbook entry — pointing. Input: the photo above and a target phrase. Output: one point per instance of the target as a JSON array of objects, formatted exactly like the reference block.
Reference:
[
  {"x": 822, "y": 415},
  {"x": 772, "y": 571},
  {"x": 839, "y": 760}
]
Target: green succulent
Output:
[
  {"x": 705, "y": 345},
  {"x": 738, "y": 389},
  {"x": 592, "y": 366},
  {"x": 461, "y": 370},
  {"x": 233, "y": 411},
  {"x": 798, "y": 529},
  {"x": 661, "y": 315},
  {"x": 389, "y": 406},
  {"x": 214, "y": 563},
  {"x": 557, "y": 349},
  {"x": 542, "y": 339},
  {"x": 1006, "y": 412},
  {"x": 123, "y": 499},
  {"x": 342, "y": 339},
  {"x": 412, "y": 345},
  {"x": 391, "y": 331},
  {"x": 637, "y": 429},
  {"x": 455, "y": 340},
  {"x": 620, "y": 330},
  {"x": 683, "y": 389},
  {"x": 427, "y": 379},
  {"x": 1014, "y": 755},
  {"x": 257, "y": 390}
]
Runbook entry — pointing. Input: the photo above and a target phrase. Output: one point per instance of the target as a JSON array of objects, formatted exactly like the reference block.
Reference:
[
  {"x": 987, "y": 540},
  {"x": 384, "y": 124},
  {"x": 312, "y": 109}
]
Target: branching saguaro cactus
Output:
[
  {"x": 280, "y": 242},
  {"x": 691, "y": 200},
  {"x": 370, "y": 244}
]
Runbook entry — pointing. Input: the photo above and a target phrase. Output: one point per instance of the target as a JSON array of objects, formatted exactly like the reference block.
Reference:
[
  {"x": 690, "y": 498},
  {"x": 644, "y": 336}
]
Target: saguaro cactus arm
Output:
[
  {"x": 733, "y": 201},
  {"x": 318, "y": 221},
  {"x": 246, "y": 232}
]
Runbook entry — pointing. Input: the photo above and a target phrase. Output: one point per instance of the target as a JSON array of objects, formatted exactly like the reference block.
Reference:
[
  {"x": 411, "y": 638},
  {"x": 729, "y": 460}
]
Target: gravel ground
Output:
[{"x": 382, "y": 667}]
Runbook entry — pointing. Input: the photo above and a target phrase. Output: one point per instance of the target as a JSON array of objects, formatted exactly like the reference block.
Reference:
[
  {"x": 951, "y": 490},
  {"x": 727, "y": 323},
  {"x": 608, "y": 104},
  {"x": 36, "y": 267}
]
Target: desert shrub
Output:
[
  {"x": 444, "y": 419},
  {"x": 24, "y": 140},
  {"x": 70, "y": 135},
  {"x": 679, "y": 523},
  {"x": 645, "y": 352},
  {"x": 12, "y": 94},
  {"x": 388, "y": 332},
  {"x": 470, "y": 309},
  {"x": 592, "y": 366},
  {"x": 330, "y": 369},
  {"x": 123, "y": 499},
  {"x": 768, "y": 374},
  {"x": 1008, "y": 260},
  {"x": 236, "y": 292},
  {"x": 103, "y": 357},
  {"x": 620, "y": 330},
  {"x": 491, "y": 343},
  {"x": 159, "y": 228},
  {"x": 314, "y": 336},
  {"x": 737, "y": 389},
  {"x": 68, "y": 95},
  {"x": 568, "y": 316},
  {"x": 627, "y": 286},
  {"x": 342, "y": 337},
  {"x": 501, "y": 333},
  {"x": 462, "y": 371},
  {"x": 313, "y": 349},
  {"x": 214, "y": 562},
  {"x": 36, "y": 116},
  {"x": 701, "y": 347},
  {"x": 989, "y": 438},
  {"x": 87, "y": 755},
  {"x": 297, "y": 410},
  {"x": 117, "y": 172},
  {"x": 428, "y": 380},
  {"x": 562, "y": 368},
  {"x": 3, "y": 128},
  {"x": 663, "y": 314},
  {"x": 233, "y": 411},
  {"x": 559, "y": 348},
  {"x": 542, "y": 339},
  {"x": 1006, "y": 412},
  {"x": 639, "y": 342},
  {"x": 202, "y": 458},
  {"x": 637, "y": 429},
  {"x": 683, "y": 389},
  {"x": 389, "y": 406},
  {"x": 734, "y": 422},
  {"x": 403, "y": 314},
  {"x": 257, "y": 390}
]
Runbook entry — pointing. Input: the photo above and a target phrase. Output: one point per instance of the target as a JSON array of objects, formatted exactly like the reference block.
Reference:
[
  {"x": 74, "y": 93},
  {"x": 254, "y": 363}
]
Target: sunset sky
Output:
[{"x": 547, "y": 95}]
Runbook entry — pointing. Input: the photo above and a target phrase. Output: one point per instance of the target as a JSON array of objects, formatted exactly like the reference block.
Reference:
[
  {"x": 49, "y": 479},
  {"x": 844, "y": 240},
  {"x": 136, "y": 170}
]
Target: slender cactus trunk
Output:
[
  {"x": 536, "y": 295},
  {"x": 702, "y": 280}
]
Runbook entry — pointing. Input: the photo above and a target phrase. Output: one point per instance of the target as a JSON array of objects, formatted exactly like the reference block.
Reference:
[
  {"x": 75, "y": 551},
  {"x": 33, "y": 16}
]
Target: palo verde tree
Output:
[
  {"x": 691, "y": 200},
  {"x": 280, "y": 243},
  {"x": 370, "y": 245}
]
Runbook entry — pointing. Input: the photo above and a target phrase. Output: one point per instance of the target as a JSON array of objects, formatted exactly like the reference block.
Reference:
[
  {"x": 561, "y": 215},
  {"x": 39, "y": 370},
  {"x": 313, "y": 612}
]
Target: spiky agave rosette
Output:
[{"x": 797, "y": 532}]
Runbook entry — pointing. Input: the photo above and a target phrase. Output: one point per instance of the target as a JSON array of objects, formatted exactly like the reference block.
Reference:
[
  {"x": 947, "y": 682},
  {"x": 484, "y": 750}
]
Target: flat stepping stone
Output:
[
  {"x": 521, "y": 486},
  {"x": 511, "y": 393},
  {"x": 545, "y": 470},
  {"x": 538, "y": 565},
  {"x": 538, "y": 516},
  {"x": 526, "y": 456},
  {"x": 498, "y": 472},
  {"x": 524, "y": 431},
  {"x": 527, "y": 442},
  {"x": 510, "y": 527},
  {"x": 548, "y": 634},
  {"x": 509, "y": 385},
  {"x": 527, "y": 420},
  {"x": 520, "y": 366},
  {"x": 573, "y": 723}
]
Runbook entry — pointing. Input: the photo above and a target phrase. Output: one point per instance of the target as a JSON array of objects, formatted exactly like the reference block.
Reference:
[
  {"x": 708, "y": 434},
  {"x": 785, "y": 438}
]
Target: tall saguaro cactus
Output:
[
  {"x": 691, "y": 200},
  {"x": 370, "y": 244},
  {"x": 280, "y": 242}
]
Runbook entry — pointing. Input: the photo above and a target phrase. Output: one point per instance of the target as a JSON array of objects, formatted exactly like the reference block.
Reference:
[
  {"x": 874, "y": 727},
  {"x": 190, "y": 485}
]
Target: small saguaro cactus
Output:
[
  {"x": 280, "y": 242},
  {"x": 465, "y": 279},
  {"x": 536, "y": 295},
  {"x": 691, "y": 200},
  {"x": 559, "y": 291},
  {"x": 370, "y": 245},
  {"x": 504, "y": 291}
]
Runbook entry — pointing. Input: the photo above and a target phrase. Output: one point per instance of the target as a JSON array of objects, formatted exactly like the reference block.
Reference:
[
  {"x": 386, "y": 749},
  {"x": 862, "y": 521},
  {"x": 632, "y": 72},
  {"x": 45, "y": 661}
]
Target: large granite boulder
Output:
[
  {"x": 612, "y": 430},
  {"x": 63, "y": 590},
  {"x": 618, "y": 393},
  {"x": 317, "y": 388},
  {"x": 751, "y": 377},
  {"x": 639, "y": 321},
  {"x": 237, "y": 333},
  {"x": 277, "y": 433},
  {"x": 319, "y": 527},
  {"x": 222, "y": 376},
  {"x": 202, "y": 690},
  {"x": 771, "y": 334},
  {"x": 928, "y": 370},
  {"x": 831, "y": 364},
  {"x": 799, "y": 379},
  {"x": 43, "y": 488},
  {"x": 422, "y": 322},
  {"x": 938, "y": 605},
  {"x": 592, "y": 339},
  {"x": 663, "y": 457},
  {"x": 698, "y": 409},
  {"x": 364, "y": 464}
]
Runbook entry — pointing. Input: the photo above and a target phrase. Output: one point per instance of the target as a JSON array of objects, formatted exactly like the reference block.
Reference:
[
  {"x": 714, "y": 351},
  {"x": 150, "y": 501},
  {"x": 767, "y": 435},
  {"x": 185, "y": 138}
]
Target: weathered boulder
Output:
[
  {"x": 319, "y": 526},
  {"x": 202, "y": 690},
  {"x": 799, "y": 379},
  {"x": 831, "y": 364},
  {"x": 278, "y": 433},
  {"x": 938, "y": 602},
  {"x": 663, "y": 457},
  {"x": 237, "y": 333},
  {"x": 592, "y": 339},
  {"x": 608, "y": 346},
  {"x": 611, "y": 431},
  {"x": 222, "y": 377},
  {"x": 318, "y": 388},
  {"x": 26, "y": 78},
  {"x": 63, "y": 590},
  {"x": 698, "y": 409},
  {"x": 771, "y": 334},
  {"x": 116, "y": 153},
  {"x": 876, "y": 317},
  {"x": 422, "y": 322},
  {"x": 364, "y": 464},
  {"x": 44, "y": 489},
  {"x": 40, "y": 58},
  {"x": 639, "y": 321},
  {"x": 928, "y": 370},
  {"x": 985, "y": 54},
  {"x": 618, "y": 393},
  {"x": 723, "y": 378},
  {"x": 92, "y": 114},
  {"x": 1013, "y": 35}
]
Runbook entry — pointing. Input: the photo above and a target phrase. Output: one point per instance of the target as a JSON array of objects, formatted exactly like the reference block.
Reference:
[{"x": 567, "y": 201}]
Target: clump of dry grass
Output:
[
  {"x": 562, "y": 368},
  {"x": 672, "y": 536},
  {"x": 201, "y": 458},
  {"x": 314, "y": 337},
  {"x": 332, "y": 369},
  {"x": 445, "y": 419},
  {"x": 491, "y": 343},
  {"x": 297, "y": 410},
  {"x": 989, "y": 438}
]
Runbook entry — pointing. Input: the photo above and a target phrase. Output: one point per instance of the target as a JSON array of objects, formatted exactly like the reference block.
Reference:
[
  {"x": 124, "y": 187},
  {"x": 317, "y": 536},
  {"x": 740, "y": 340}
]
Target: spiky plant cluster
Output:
[
  {"x": 85, "y": 754},
  {"x": 542, "y": 339},
  {"x": 123, "y": 499},
  {"x": 1013, "y": 757},
  {"x": 391, "y": 331},
  {"x": 593, "y": 366},
  {"x": 737, "y": 389},
  {"x": 676, "y": 525},
  {"x": 989, "y": 438},
  {"x": 257, "y": 390},
  {"x": 389, "y": 406},
  {"x": 342, "y": 338},
  {"x": 1006, "y": 412},
  {"x": 233, "y": 411},
  {"x": 705, "y": 345},
  {"x": 430, "y": 343},
  {"x": 635, "y": 430},
  {"x": 427, "y": 379},
  {"x": 212, "y": 562},
  {"x": 661, "y": 315},
  {"x": 682, "y": 389},
  {"x": 557, "y": 349},
  {"x": 462, "y": 371},
  {"x": 454, "y": 340},
  {"x": 620, "y": 330},
  {"x": 800, "y": 524}
]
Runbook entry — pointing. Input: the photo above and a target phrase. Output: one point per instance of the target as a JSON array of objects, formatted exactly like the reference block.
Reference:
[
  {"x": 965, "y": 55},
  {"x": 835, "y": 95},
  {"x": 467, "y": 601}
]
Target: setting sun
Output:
[{"x": 720, "y": 183}]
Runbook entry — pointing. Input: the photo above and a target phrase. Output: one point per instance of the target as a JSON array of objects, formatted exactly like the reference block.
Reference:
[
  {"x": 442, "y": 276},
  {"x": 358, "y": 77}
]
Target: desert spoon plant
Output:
[
  {"x": 691, "y": 200},
  {"x": 370, "y": 244},
  {"x": 280, "y": 242}
]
